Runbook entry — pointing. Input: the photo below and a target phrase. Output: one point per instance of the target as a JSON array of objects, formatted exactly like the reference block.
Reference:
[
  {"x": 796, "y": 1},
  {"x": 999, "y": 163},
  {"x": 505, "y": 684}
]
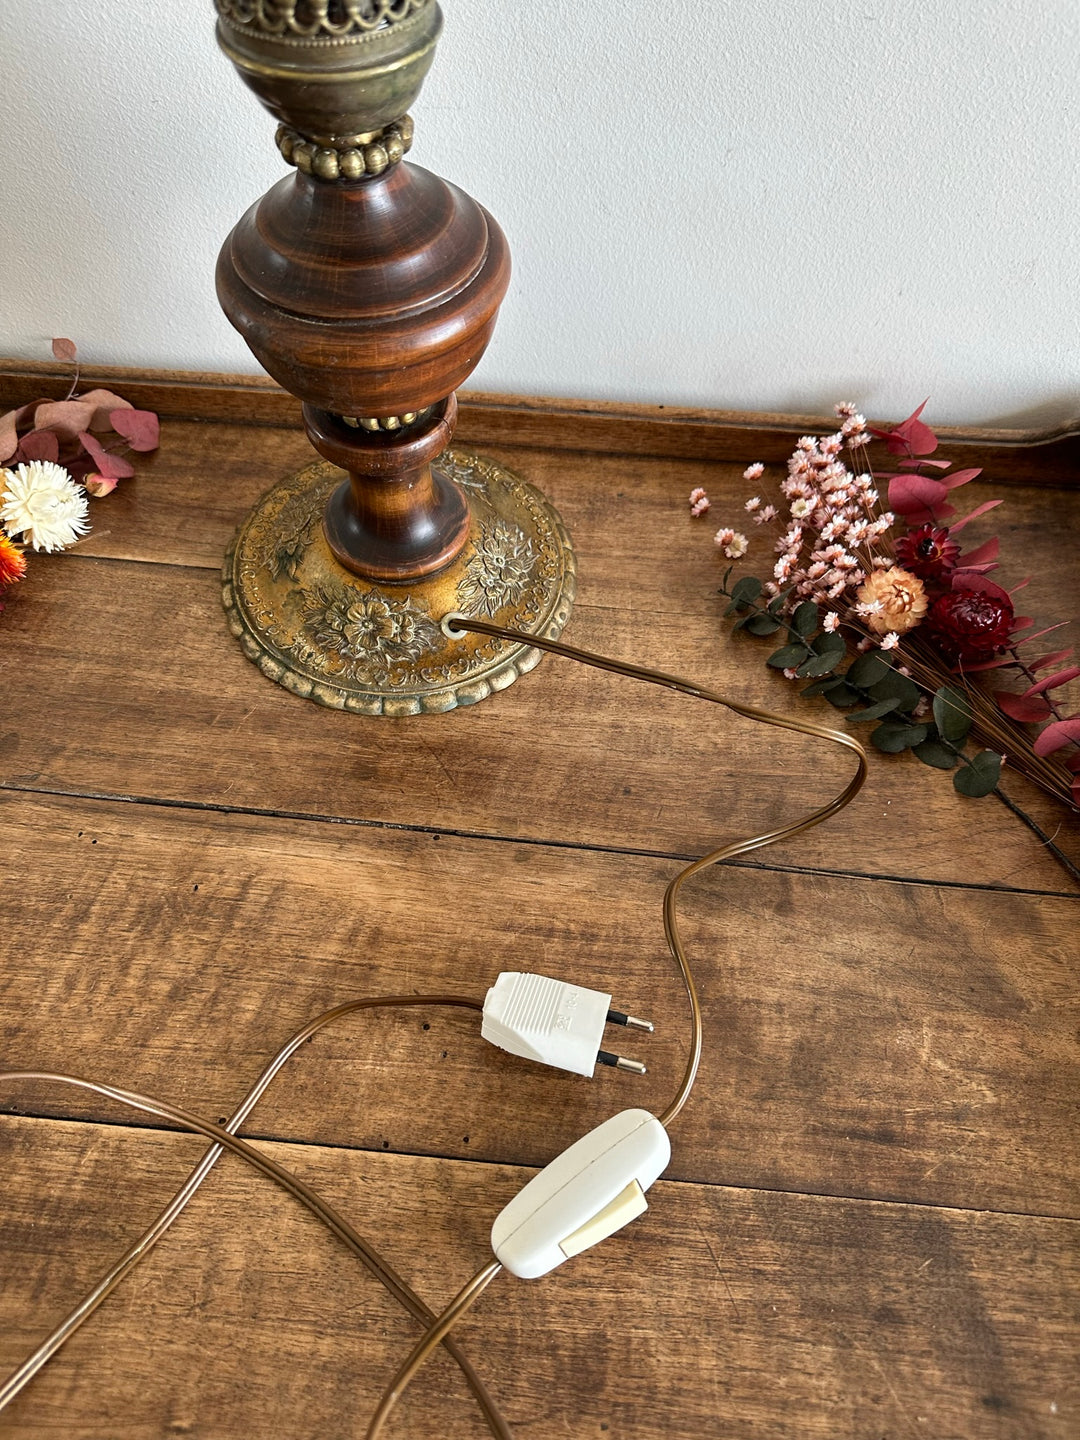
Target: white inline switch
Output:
[{"x": 587, "y": 1193}]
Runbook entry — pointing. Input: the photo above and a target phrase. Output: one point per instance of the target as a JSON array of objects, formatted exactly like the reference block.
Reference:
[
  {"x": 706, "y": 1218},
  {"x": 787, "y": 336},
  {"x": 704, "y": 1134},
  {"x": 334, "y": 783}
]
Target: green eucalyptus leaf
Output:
[
  {"x": 828, "y": 650},
  {"x": 867, "y": 669},
  {"x": 760, "y": 624},
  {"x": 816, "y": 665},
  {"x": 787, "y": 657},
  {"x": 742, "y": 622},
  {"x": 829, "y": 644},
  {"x": 952, "y": 713},
  {"x": 893, "y": 736},
  {"x": 805, "y": 618},
  {"x": 933, "y": 752},
  {"x": 823, "y": 686},
  {"x": 897, "y": 687},
  {"x": 776, "y": 604},
  {"x": 872, "y": 712},
  {"x": 842, "y": 696},
  {"x": 979, "y": 775},
  {"x": 746, "y": 590}
]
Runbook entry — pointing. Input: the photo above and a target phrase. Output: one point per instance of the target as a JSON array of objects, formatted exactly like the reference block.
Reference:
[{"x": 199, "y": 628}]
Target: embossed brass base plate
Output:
[{"x": 377, "y": 648}]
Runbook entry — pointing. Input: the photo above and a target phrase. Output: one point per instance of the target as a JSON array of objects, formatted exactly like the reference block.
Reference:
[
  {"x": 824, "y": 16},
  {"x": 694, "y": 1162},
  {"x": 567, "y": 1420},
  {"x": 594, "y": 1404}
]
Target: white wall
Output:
[{"x": 765, "y": 204}]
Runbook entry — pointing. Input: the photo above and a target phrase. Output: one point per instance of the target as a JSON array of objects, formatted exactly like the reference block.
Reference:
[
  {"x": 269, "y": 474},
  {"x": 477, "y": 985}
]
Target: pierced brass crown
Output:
[{"x": 311, "y": 19}]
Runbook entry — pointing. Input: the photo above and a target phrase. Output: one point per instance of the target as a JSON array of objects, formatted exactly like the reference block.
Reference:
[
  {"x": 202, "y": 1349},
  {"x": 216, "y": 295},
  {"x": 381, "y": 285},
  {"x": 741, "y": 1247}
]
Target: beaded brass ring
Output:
[{"x": 348, "y": 159}]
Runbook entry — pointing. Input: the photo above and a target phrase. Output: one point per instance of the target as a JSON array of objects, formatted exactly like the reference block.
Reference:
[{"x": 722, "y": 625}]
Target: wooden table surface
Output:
[{"x": 870, "y": 1226}]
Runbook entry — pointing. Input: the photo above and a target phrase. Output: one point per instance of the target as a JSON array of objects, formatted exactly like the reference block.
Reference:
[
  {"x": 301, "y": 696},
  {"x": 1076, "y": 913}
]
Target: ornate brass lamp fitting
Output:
[{"x": 369, "y": 288}]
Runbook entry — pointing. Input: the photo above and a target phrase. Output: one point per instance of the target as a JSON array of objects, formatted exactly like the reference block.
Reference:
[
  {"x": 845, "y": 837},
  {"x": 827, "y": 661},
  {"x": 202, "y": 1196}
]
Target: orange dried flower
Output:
[
  {"x": 12, "y": 562},
  {"x": 892, "y": 600}
]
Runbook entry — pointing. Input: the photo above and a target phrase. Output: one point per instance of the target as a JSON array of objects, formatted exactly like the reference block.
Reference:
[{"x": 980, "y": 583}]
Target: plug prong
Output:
[
  {"x": 620, "y": 1017},
  {"x": 620, "y": 1062}
]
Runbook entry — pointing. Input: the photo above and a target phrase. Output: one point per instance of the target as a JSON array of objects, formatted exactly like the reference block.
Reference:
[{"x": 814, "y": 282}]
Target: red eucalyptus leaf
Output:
[
  {"x": 979, "y": 510},
  {"x": 920, "y": 439},
  {"x": 66, "y": 417},
  {"x": 986, "y": 552},
  {"x": 100, "y": 484},
  {"x": 1072, "y": 762},
  {"x": 39, "y": 445},
  {"x": 105, "y": 402},
  {"x": 909, "y": 493},
  {"x": 1057, "y": 735},
  {"x": 1027, "y": 709},
  {"x": 65, "y": 350},
  {"x": 9, "y": 435},
  {"x": 11, "y": 423},
  {"x": 1053, "y": 681},
  {"x": 1039, "y": 633},
  {"x": 1053, "y": 659},
  {"x": 974, "y": 580},
  {"x": 910, "y": 437},
  {"x": 913, "y": 464},
  {"x": 113, "y": 467},
  {"x": 958, "y": 477},
  {"x": 139, "y": 428}
]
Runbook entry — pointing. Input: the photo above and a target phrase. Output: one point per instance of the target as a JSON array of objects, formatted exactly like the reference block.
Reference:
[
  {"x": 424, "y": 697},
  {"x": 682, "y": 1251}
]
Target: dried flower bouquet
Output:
[
  {"x": 54, "y": 454},
  {"x": 891, "y": 620}
]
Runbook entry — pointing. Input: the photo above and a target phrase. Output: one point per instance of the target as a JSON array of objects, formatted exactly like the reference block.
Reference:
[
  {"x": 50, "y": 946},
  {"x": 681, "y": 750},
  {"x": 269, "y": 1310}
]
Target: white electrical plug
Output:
[
  {"x": 554, "y": 1023},
  {"x": 587, "y": 1193}
]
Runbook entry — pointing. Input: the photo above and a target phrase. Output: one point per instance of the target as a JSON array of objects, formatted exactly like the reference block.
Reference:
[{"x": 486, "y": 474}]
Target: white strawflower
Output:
[{"x": 42, "y": 503}]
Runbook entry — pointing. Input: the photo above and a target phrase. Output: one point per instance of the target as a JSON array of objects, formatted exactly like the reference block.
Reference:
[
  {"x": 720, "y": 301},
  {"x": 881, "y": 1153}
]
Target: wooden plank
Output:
[
  {"x": 122, "y": 679},
  {"x": 1038, "y": 456},
  {"x": 627, "y": 516},
  {"x": 721, "y": 1312},
  {"x": 862, "y": 1038}
]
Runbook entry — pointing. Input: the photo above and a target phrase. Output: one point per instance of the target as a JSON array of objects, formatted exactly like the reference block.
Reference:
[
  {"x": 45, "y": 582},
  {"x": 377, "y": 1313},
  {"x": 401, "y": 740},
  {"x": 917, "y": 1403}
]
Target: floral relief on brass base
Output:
[{"x": 374, "y": 647}]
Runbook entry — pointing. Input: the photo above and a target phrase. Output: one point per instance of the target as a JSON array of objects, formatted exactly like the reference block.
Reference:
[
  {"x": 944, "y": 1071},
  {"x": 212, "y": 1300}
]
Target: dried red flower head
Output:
[
  {"x": 928, "y": 552},
  {"x": 969, "y": 626},
  {"x": 12, "y": 562}
]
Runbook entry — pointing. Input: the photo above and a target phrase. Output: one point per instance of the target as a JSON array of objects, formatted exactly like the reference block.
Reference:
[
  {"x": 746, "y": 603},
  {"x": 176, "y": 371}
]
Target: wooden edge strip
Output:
[{"x": 1049, "y": 456}]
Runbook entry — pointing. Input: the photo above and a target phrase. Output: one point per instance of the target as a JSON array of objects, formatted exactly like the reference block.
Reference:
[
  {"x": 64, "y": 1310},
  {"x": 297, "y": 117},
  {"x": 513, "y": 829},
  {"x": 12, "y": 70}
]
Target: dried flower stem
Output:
[
  {"x": 1010, "y": 743},
  {"x": 1037, "y": 830},
  {"x": 1032, "y": 679}
]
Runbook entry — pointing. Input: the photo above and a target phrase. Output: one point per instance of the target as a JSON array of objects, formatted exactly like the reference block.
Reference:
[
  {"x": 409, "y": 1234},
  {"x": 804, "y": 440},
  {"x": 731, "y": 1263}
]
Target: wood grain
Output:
[
  {"x": 722, "y": 1312},
  {"x": 1033, "y": 455},
  {"x": 901, "y": 1044},
  {"x": 157, "y": 699},
  {"x": 869, "y": 1228}
]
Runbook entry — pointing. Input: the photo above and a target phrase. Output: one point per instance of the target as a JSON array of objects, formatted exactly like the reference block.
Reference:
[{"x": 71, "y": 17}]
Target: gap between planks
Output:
[
  {"x": 269, "y": 1138},
  {"x": 316, "y": 818}
]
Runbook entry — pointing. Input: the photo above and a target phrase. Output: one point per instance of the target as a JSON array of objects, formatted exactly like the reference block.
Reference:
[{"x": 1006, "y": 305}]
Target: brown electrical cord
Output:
[
  {"x": 454, "y": 624},
  {"x": 424, "y": 1346},
  {"x": 438, "y": 1326},
  {"x": 393, "y": 1282}
]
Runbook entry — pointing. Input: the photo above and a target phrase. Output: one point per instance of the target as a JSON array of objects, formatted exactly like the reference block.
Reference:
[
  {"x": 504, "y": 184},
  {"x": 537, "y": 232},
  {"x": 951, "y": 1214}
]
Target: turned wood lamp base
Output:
[
  {"x": 376, "y": 647},
  {"x": 369, "y": 288}
]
